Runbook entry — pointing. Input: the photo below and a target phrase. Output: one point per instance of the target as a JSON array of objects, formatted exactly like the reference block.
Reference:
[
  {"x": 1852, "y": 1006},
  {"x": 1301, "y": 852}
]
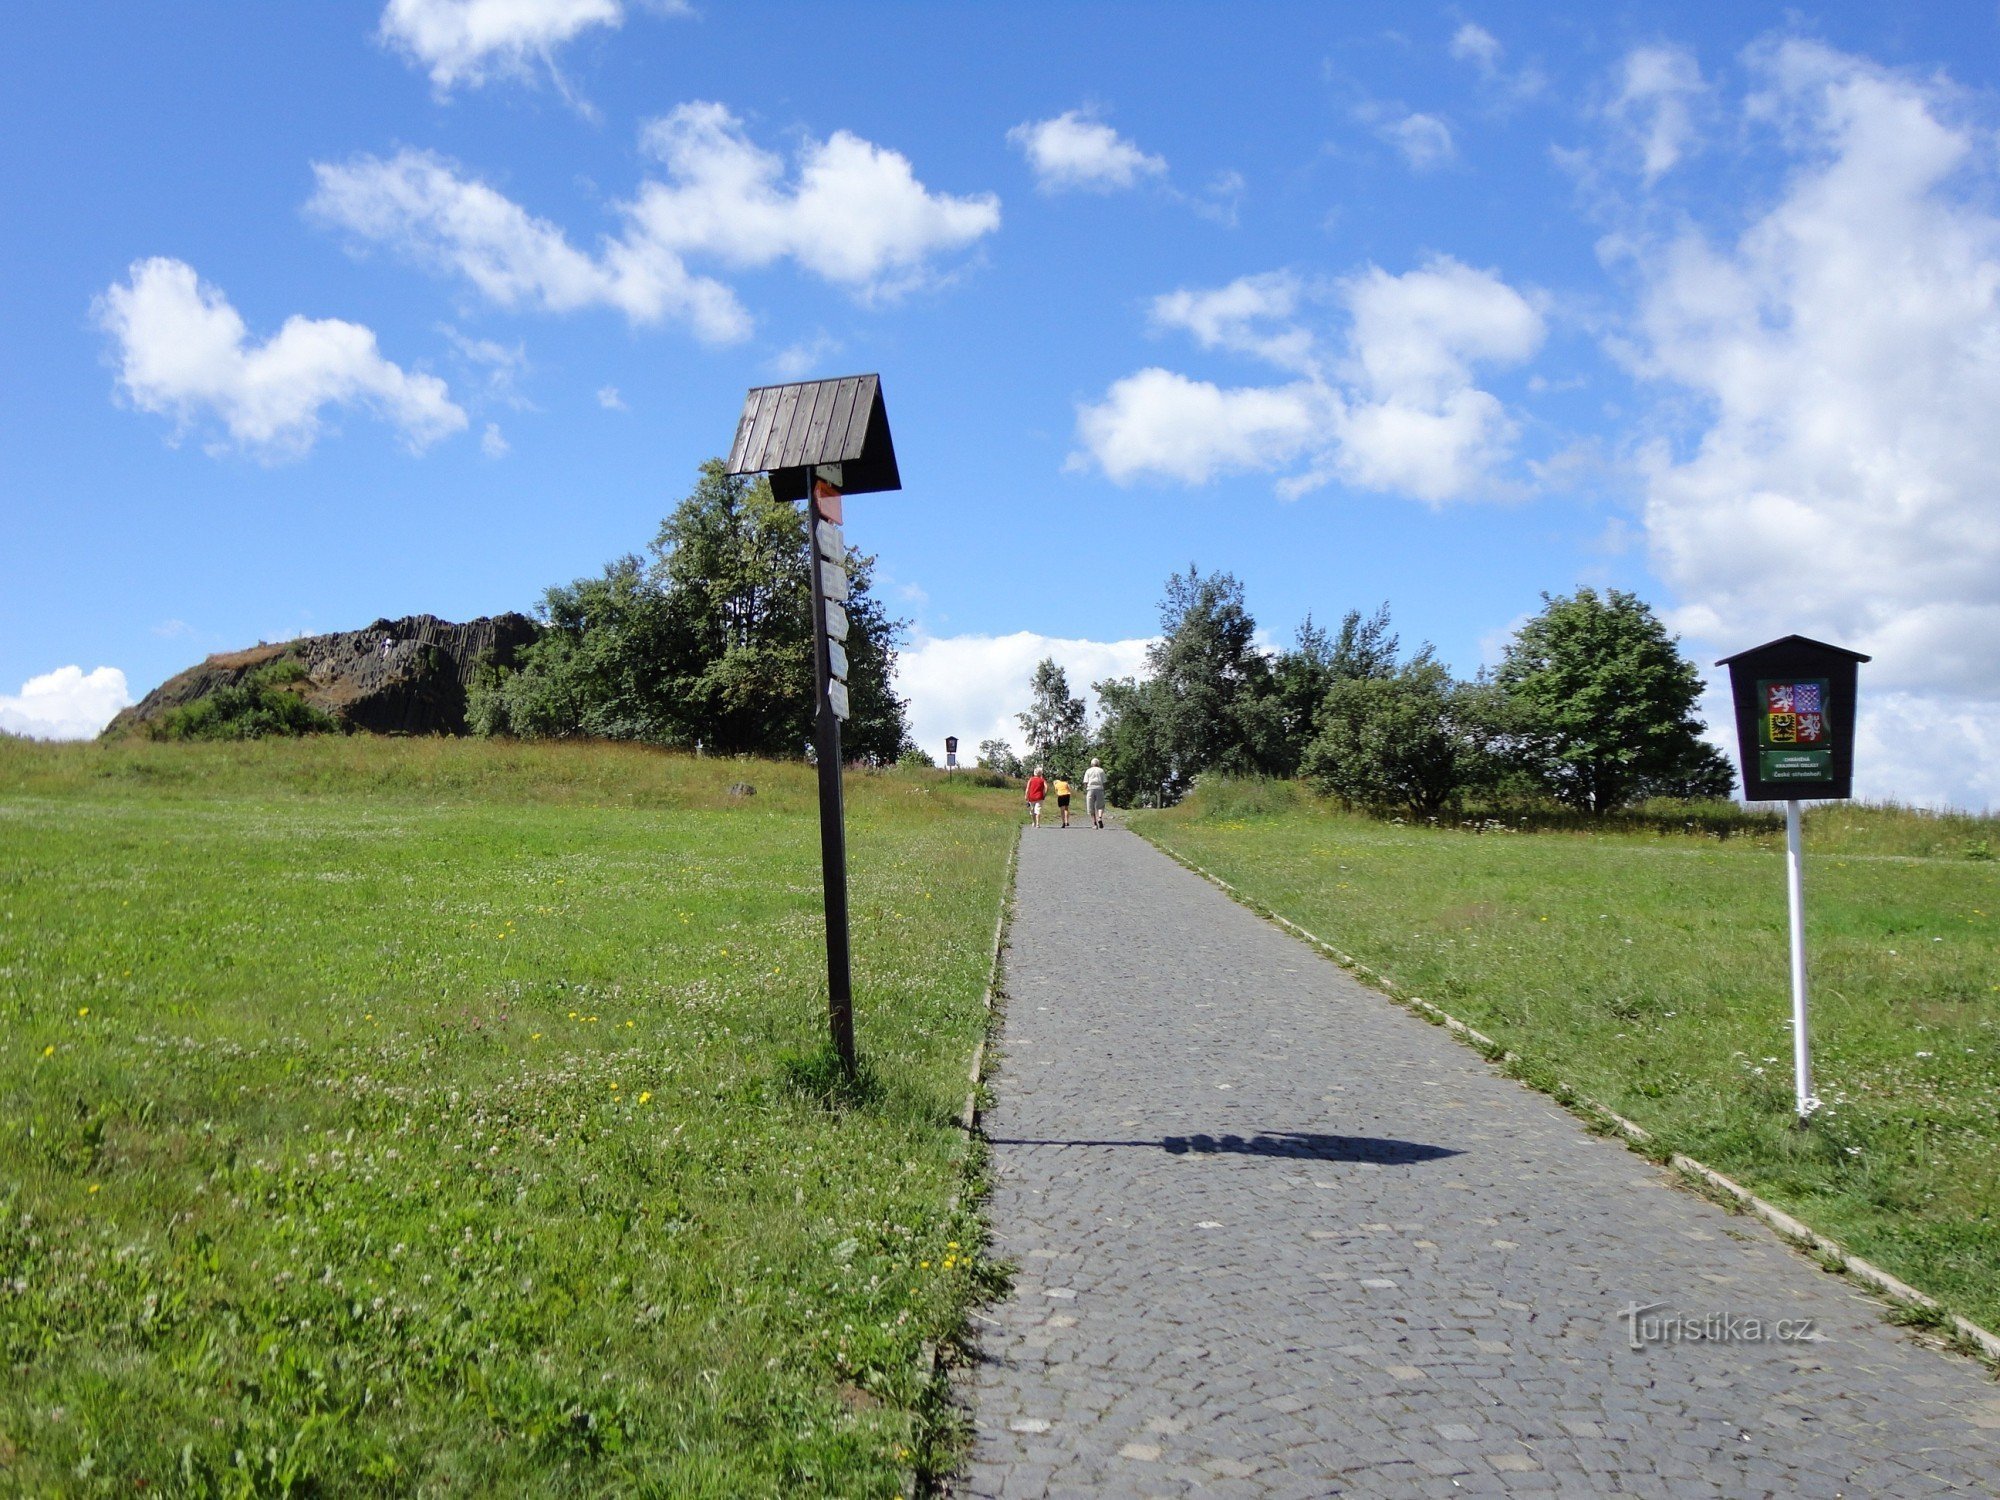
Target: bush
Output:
[
  {"x": 263, "y": 703},
  {"x": 1413, "y": 740}
]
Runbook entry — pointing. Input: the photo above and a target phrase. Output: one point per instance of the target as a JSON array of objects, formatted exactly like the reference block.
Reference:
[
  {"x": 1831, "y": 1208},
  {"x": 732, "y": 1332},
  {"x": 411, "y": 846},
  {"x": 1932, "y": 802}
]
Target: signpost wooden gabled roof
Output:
[{"x": 787, "y": 430}]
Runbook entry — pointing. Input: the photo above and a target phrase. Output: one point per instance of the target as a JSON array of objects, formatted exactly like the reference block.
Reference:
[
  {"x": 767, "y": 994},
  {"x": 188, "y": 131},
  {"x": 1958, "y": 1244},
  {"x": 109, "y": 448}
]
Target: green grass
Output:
[
  {"x": 425, "y": 1117},
  {"x": 1647, "y": 970}
]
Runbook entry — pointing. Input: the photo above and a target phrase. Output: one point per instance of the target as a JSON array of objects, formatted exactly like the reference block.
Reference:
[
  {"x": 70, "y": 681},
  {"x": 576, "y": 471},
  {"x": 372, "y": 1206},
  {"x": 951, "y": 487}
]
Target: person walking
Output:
[
  {"x": 1093, "y": 792},
  {"x": 1037, "y": 790},
  {"x": 1062, "y": 800}
]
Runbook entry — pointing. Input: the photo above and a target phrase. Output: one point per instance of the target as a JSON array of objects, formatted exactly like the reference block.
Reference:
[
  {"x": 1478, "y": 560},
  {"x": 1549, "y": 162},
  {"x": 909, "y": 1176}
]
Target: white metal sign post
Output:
[
  {"x": 1805, "y": 1101},
  {"x": 1794, "y": 701}
]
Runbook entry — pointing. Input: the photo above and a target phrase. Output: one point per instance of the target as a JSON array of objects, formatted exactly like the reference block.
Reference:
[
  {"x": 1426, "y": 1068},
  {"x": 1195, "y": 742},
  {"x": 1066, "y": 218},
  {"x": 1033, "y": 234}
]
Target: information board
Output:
[{"x": 1794, "y": 731}]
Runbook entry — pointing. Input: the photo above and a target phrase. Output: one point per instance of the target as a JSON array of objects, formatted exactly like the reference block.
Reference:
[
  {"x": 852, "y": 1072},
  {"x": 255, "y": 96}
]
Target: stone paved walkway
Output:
[{"x": 1276, "y": 1236}]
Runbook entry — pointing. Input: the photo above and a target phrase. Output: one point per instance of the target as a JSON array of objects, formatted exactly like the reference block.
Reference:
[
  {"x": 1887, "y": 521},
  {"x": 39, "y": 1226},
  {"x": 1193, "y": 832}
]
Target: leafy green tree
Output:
[
  {"x": 1302, "y": 676},
  {"x": 1413, "y": 739},
  {"x": 1136, "y": 768},
  {"x": 1056, "y": 725},
  {"x": 998, "y": 755},
  {"x": 1207, "y": 704},
  {"x": 595, "y": 670},
  {"x": 1210, "y": 682},
  {"x": 1602, "y": 705},
  {"x": 709, "y": 642},
  {"x": 1364, "y": 648}
]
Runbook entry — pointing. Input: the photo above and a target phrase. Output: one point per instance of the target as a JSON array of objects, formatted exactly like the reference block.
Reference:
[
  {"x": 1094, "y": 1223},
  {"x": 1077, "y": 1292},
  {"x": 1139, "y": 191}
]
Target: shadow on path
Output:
[{"x": 1289, "y": 1143}]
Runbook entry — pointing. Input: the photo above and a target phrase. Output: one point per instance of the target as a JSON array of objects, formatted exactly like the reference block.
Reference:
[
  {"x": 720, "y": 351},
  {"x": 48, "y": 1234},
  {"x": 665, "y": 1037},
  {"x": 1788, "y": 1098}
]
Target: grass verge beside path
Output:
[
  {"x": 1649, "y": 973},
  {"x": 421, "y": 1117}
]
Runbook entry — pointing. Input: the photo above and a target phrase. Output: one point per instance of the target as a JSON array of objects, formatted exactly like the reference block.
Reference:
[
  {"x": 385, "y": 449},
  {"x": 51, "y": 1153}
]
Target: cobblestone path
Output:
[{"x": 1276, "y": 1236}]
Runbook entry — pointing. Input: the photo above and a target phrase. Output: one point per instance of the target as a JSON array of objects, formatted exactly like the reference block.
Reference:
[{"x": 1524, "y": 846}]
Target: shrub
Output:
[{"x": 263, "y": 703}]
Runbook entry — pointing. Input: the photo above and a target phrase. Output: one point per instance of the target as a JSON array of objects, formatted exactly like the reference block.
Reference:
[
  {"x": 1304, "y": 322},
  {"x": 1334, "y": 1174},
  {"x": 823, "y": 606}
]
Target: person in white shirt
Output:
[{"x": 1093, "y": 792}]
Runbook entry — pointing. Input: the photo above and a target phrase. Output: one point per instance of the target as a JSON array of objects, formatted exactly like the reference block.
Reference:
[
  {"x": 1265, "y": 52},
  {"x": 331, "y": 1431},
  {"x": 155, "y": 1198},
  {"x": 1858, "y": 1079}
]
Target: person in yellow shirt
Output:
[{"x": 1062, "y": 800}]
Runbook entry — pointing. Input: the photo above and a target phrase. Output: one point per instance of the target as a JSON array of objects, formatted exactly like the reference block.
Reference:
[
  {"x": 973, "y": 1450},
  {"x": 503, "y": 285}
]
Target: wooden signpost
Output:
[
  {"x": 820, "y": 441},
  {"x": 1795, "y": 736}
]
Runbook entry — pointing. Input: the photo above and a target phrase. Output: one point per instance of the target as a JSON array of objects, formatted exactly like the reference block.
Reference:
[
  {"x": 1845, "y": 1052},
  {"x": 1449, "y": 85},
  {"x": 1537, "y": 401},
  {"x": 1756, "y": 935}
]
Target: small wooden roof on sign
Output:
[
  {"x": 1793, "y": 642},
  {"x": 786, "y": 430}
]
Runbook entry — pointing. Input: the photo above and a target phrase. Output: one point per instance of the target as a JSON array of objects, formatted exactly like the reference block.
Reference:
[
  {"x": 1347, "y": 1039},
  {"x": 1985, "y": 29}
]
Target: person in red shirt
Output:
[{"x": 1037, "y": 790}]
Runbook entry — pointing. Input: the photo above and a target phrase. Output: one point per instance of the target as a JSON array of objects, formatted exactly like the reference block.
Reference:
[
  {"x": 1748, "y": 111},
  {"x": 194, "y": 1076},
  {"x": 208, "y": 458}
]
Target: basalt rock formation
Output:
[{"x": 406, "y": 676}]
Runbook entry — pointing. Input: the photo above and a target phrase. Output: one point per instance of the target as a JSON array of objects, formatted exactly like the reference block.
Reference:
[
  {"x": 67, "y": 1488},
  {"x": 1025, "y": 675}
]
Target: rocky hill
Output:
[{"x": 406, "y": 676}]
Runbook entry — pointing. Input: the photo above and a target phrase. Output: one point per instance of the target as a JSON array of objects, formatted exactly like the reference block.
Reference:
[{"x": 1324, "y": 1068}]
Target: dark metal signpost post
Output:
[
  {"x": 819, "y": 441},
  {"x": 1795, "y": 734}
]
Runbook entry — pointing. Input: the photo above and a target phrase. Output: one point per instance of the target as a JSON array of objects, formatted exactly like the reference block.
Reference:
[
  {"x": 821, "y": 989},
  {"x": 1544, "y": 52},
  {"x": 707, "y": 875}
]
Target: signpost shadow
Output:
[{"x": 1299, "y": 1145}]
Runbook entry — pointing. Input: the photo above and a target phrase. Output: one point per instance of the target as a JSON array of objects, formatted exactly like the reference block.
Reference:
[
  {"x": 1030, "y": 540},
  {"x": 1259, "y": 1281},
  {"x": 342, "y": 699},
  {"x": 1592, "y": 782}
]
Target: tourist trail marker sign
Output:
[
  {"x": 821, "y": 440},
  {"x": 1795, "y": 735}
]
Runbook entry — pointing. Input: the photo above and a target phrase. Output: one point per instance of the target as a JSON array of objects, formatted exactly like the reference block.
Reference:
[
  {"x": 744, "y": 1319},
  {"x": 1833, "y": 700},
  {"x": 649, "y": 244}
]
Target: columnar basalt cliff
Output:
[{"x": 406, "y": 676}]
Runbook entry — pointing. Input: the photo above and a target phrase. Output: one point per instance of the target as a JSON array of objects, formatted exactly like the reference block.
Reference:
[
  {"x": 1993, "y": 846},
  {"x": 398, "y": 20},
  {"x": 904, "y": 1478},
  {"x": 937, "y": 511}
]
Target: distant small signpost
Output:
[
  {"x": 1795, "y": 735},
  {"x": 821, "y": 440}
]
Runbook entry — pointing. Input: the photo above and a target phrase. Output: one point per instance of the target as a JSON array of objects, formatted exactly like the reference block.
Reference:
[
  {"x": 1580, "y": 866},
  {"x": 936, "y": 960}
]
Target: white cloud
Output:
[
  {"x": 1254, "y": 315},
  {"x": 853, "y": 214},
  {"x": 1075, "y": 151},
  {"x": 474, "y": 41},
  {"x": 66, "y": 704},
  {"x": 1161, "y": 423},
  {"x": 500, "y": 367},
  {"x": 610, "y": 400},
  {"x": 1478, "y": 46},
  {"x": 1418, "y": 423},
  {"x": 1657, "y": 89},
  {"x": 973, "y": 685},
  {"x": 1393, "y": 407},
  {"x": 1424, "y": 140},
  {"x": 492, "y": 442},
  {"x": 1846, "y": 347},
  {"x": 1474, "y": 44},
  {"x": 418, "y": 203},
  {"x": 797, "y": 360},
  {"x": 184, "y": 352}
]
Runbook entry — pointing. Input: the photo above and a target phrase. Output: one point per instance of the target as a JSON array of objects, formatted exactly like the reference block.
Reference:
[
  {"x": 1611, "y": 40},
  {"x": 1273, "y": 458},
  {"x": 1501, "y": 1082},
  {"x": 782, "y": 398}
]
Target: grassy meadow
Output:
[
  {"x": 1645, "y": 966},
  {"x": 447, "y": 1118}
]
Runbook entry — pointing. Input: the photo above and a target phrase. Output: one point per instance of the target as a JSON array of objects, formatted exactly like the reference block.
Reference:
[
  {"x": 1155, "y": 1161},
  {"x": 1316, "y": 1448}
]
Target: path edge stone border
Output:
[
  {"x": 1970, "y": 1338},
  {"x": 931, "y": 1362}
]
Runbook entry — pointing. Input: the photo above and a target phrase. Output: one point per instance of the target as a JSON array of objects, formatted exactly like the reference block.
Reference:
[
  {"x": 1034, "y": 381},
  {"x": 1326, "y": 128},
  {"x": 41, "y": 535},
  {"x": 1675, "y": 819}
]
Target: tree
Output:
[
  {"x": 709, "y": 642},
  {"x": 1210, "y": 682},
  {"x": 1136, "y": 769},
  {"x": 1413, "y": 739},
  {"x": 1364, "y": 648},
  {"x": 998, "y": 755},
  {"x": 1302, "y": 677},
  {"x": 1055, "y": 726},
  {"x": 1602, "y": 704}
]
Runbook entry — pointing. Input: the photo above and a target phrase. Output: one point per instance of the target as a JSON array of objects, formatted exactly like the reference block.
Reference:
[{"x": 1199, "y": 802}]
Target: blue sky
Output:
[{"x": 321, "y": 313}]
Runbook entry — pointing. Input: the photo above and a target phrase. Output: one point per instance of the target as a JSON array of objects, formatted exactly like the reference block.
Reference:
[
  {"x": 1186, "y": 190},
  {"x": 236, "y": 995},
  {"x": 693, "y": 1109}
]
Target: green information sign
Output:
[
  {"x": 1796, "y": 765},
  {"x": 1794, "y": 735}
]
